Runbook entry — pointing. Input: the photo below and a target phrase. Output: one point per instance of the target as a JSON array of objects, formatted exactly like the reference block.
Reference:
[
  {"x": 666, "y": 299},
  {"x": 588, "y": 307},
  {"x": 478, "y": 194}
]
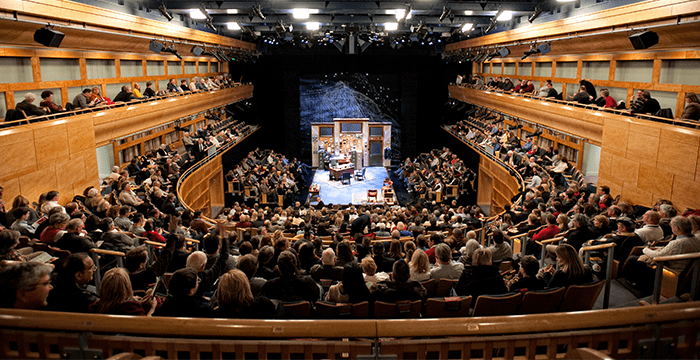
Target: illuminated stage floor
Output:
[{"x": 333, "y": 192}]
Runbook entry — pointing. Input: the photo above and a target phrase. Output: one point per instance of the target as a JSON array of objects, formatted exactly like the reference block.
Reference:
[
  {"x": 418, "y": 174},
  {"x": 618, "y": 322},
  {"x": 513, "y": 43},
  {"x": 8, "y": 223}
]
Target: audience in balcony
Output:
[
  {"x": 84, "y": 100},
  {"x": 691, "y": 111},
  {"x": 648, "y": 104},
  {"x": 47, "y": 103},
  {"x": 605, "y": 100},
  {"x": 29, "y": 108}
]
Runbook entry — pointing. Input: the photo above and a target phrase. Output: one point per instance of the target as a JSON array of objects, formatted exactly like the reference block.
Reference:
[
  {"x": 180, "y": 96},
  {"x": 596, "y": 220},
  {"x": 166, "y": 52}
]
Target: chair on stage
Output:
[
  {"x": 360, "y": 174},
  {"x": 372, "y": 194},
  {"x": 345, "y": 179}
]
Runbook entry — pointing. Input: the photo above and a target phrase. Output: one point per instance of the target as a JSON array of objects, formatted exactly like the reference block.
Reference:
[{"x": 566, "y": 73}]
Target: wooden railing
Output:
[{"x": 620, "y": 333}]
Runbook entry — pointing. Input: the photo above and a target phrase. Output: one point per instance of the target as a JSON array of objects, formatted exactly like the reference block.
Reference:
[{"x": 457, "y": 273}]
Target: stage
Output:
[{"x": 334, "y": 192}]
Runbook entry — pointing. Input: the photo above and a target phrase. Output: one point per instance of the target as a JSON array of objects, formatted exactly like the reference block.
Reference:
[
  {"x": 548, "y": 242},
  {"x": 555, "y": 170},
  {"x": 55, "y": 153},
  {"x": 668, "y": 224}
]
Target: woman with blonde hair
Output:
[
  {"x": 420, "y": 266},
  {"x": 563, "y": 222},
  {"x": 234, "y": 299},
  {"x": 117, "y": 297},
  {"x": 571, "y": 271}
]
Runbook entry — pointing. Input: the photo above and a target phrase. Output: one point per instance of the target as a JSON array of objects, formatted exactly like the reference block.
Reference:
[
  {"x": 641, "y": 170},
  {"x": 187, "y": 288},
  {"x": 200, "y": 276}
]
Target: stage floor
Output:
[{"x": 333, "y": 192}]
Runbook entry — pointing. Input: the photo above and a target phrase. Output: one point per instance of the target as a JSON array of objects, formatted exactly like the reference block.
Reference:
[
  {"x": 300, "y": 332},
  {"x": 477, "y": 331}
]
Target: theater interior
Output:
[{"x": 345, "y": 86}]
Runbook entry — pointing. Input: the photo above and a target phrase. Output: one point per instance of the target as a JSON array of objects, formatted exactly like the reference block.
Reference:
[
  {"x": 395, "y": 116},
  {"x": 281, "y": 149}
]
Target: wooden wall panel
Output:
[{"x": 644, "y": 161}]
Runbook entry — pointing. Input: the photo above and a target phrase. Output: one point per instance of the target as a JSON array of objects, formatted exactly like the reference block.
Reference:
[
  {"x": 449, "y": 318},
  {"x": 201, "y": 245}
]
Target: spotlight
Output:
[
  {"x": 492, "y": 55},
  {"x": 536, "y": 14},
  {"x": 467, "y": 27},
  {"x": 164, "y": 11},
  {"x": 250, "y": 31},
  {"x": 211, "y": 26},
  {"x": 533, "y": 50},
  {"x": 257, "y": 10},
  {"x": 204, "y": 12},
  {"x": 492, "y": 24},
  {"x": 171, "y": 49},
  {"x": 445, "y": 13}
]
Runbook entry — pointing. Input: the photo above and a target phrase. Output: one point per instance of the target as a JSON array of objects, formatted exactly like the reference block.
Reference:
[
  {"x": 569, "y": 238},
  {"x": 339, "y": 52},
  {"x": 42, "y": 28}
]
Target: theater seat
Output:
[
  {"x": 448, "y": 307},
  {"x": 398, "y": 310},
  {"x": 494, "y": 305}
]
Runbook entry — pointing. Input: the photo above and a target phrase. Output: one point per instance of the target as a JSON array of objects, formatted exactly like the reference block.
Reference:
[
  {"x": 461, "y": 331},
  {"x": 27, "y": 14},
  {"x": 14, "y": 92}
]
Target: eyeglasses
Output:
[{"x": 92, "y": 268}]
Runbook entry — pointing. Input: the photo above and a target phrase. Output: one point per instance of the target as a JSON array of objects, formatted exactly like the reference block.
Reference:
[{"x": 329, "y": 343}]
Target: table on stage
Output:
[{"x": 336, "y": 173}]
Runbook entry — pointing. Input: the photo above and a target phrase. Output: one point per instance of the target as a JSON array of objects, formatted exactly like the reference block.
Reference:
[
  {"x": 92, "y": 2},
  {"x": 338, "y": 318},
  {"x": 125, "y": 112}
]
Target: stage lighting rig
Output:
[
  {"x": 446, "y": 11},
  {"x": 406, "y": 14},
  {"x": 257, "y": 10},
  {"x": 172, "y": 50},
  {"x": 164, "y": 11},
  {"x": 492, "y": 55},
  {"x": 535, "y": 14},
  {"x": 532, "y": 51},
  {"x": 492, "y": 25}
]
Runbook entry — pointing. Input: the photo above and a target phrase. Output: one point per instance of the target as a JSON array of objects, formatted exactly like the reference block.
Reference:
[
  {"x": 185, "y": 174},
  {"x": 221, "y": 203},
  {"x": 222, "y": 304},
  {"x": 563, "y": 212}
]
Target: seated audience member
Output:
[
  {"x": 21, "y": 224},
  {"x": 548, "y": 232},
  {"x": 72, "y": 292},
  {"x": 119, "y": 240},
  {"x": 667, "y": 212},
  {"x": 638, "y": 270},
  {"x": 605, "y": 100},
  {"x": 482, "y": 277},
  {"x": 581, "y": 97},
  {"x": 137, "y": 227},
  {"x": 571, "y": 269},
  {"x": 445, "y": 267},
  {"x": 527, "y": 279},
  {"x": 265, "y": 265},
  {"x": 626, "y": 239},
  {"x": 290, "y": 286},
  {"x": 82, "y": 100},
  {"x": 136, "y": 91},
  {"x": 649, "y": 104},
  {"x": 149, "y": 91},
  {"x": 327, "y": 268},
  {"x": 29, "y": 108},
  {"x": 351, "y": 289},
  {"x": 74, "y": 240},
  {"x": 650, "y": 232},
  {"x": 25, "y": 286},
  {"x": 691, "y": 111},
  {"x": 527, "y": 88},
  {"x": 97, "y": 98},
  {"x": 142, "y": 275},
  {"x": 384, "y": 263},
  {"x": 234, "y": 299},
  {"x": 182, "y": 300},
  {"x": 580, "y": 233},
  {"x": 198, "y": 261},
  {"x": 419, "y": 266},
  {"x": 369, "y": 269},
  {"x": 500, "y": 251},
  {"x": 249, "y": 265},
  {"x": 468, "y": 249},
  {"x": 47, "y": 102},
  {"x": 117, "y": 297},
  {"x": 56, "y": 228},
  {"x": 401, "y": 288},
  {"x": 184, "y": 86},
  {"x": 172, "y": 86}
]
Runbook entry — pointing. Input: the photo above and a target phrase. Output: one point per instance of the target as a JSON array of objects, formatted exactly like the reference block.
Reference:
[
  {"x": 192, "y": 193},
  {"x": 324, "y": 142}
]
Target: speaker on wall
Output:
[
  {"x": 644, "y": 40},
  {"x": 544, "y": 48},
  {"x": 156, "y": 47},
  {"x": 197, "y": 51},
  {"x": 48, "y": 37}
]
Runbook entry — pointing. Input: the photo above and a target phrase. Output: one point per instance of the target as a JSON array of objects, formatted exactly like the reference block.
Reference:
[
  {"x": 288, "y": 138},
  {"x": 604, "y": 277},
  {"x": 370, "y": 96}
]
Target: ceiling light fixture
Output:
[
  {"x": 467, "y": 27},
  {"x": 505, "y": 16},
  {"x": 445, "y": 13},
  {"x": 391, "y": 26},
  {"x": 196, "y": 14},
  {"x": 300, "y": 13},
  {"x": 257, "y": 10},
  {"x": 535, "y": 14},
  {"x": 233, "y": 26},
  {"x": 232, "y": 11},
  {"x": 164, "y": 11},
  {"x": 313, "y": 26}
]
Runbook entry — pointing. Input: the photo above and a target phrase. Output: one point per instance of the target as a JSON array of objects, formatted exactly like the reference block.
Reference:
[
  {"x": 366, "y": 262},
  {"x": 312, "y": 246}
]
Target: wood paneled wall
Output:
[
  {"x": 61, "y": 154},
  {"x": 643, "y": 161}
]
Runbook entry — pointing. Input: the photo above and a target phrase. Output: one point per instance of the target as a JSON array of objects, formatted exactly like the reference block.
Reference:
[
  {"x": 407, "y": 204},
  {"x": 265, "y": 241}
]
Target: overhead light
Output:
[
  {"x": 164, "y": 11},
  {"x": 391, "y": 26},
  {"x": 257, "y": 10},
  {"x": 211, "y": 25},
  {"x": 233, "y": 26},
  {"x": 204, "y": 12},
  {"x": 197, "y": 14},
  {"x": 300, "y": 13},
  {"x": 445, "y": 13},
  {"x": 468, "y": 12},
  {"x": 400, "y": 13},
  {"x": 232, "y": 11},
  {"x": 505, "y": 16},
  {"x": 467, "y": 27},
  {"x": 313, "y": 26},
  {"x": 535, "y": 14}
]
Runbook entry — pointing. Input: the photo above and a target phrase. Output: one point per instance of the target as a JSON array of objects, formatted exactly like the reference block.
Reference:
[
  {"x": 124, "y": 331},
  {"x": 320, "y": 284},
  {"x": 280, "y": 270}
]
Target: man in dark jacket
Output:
[
  {"x": 400, "y": 288},
  {"x": 290, "y": 286},
  {"x": 72, "y": 293}
]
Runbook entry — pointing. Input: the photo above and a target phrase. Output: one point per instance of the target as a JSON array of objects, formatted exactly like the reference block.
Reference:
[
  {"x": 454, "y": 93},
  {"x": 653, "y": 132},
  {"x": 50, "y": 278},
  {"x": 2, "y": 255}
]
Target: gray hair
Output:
[
  {"x": 59, "y": 218},
  {"x": 580, "y": 219},
  {"x": 24, "y": 275},
  {"x": 29, "y": 96},
  {"x": 683, "y": 224},
  {"x": 443, "y": 253},
  {"x": 669, "y": 210}
]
